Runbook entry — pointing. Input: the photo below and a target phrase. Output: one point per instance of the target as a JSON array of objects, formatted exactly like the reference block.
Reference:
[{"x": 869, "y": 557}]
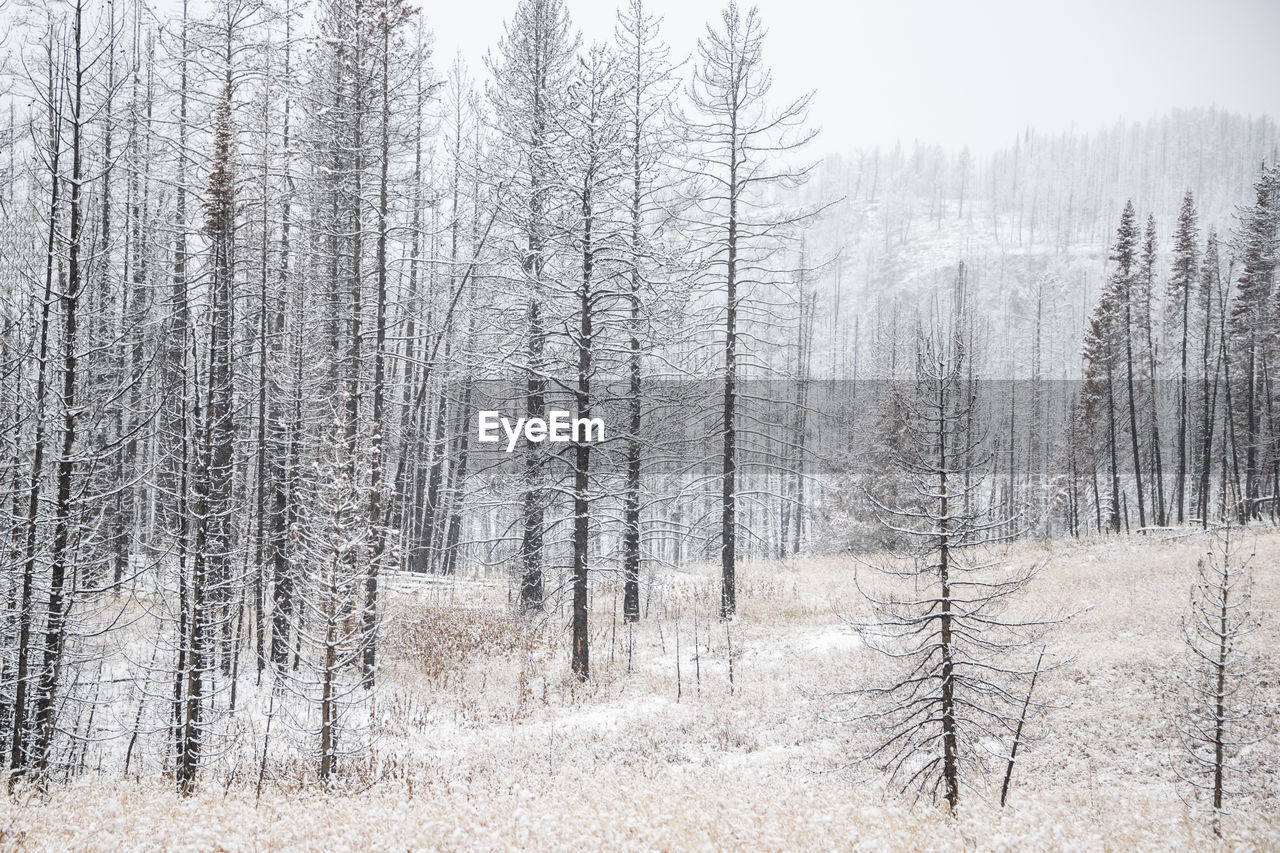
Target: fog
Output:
[{"x": 973, "y": 73}]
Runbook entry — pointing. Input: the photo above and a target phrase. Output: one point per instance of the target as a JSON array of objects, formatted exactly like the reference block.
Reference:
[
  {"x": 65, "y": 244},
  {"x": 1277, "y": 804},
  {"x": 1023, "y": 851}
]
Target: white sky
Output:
[{"x": 965, "y": 72}]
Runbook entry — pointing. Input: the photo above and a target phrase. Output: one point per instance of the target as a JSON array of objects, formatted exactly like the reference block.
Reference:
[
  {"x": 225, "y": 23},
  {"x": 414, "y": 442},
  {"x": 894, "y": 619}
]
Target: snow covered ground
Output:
[{"x": 484, "y": 740}]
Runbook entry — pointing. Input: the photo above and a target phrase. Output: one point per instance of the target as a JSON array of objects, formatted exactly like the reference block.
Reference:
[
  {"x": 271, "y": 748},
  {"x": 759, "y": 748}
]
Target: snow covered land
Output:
[{"x": 485, "y": 740}]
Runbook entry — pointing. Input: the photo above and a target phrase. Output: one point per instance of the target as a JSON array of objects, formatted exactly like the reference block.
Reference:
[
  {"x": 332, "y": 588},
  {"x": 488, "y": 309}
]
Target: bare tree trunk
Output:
[
  {"x": 1133, "y": 404},
  {"x": 801, "y": 424},
  {"x": 950, "y": 771},
  {"x": 1209, "y": 388},
  {"x": 1180, "y": 480},
  {"x": 729, "y": 454},
  {"x": 58, "y": 604},
  {"x": 631, "y": 489},
  {"x": 582, "y": 453},
  {"x": 282, "y": 592},
  {"x": 1111, "y": 442},
  {"x": 18, "y": 757},
  {"x": 328, "y": 703},
  {"x": 369, "y": 622}
]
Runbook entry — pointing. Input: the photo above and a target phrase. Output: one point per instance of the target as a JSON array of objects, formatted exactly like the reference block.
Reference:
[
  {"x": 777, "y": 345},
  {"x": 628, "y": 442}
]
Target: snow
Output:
[{"x": 498, "y": 747}]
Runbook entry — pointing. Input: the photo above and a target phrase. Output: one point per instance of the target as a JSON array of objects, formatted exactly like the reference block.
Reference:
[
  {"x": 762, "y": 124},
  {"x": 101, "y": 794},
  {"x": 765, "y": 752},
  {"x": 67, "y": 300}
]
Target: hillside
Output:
[{"x": 1033, "y": 221}]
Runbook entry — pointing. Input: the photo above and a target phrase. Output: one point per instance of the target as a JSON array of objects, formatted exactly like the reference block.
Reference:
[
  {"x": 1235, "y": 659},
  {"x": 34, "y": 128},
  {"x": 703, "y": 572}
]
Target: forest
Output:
[{"x": 264, "y": 263}]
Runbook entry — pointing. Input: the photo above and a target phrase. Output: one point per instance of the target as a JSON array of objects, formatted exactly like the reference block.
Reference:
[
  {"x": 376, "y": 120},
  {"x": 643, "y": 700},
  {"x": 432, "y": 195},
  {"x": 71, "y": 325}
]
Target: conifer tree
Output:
[
  {"x": 946, "y": 617},
  {"x": 1182, "y": 281},
  {"x": 1145, "y": 290},
  {"x": 1123, "y": 280},
  {"x": 1098, "y": 394},
  {"x": 1251, "y": 325},
  {"x": 1213, "y": 726}
]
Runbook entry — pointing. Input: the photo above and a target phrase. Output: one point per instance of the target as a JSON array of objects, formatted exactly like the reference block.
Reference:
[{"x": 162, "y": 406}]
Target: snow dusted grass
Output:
[{"x": 484, "y": 741}]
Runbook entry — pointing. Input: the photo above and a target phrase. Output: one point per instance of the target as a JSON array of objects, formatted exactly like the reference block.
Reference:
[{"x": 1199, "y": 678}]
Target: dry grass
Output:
[
  {"x": 486, "y": 742},
  {"x": 437, "y": 640}
]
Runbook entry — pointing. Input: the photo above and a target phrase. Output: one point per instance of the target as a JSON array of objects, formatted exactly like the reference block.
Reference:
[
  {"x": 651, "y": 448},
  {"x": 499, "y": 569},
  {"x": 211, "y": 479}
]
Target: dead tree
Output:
[
  {"x": 531, "y": 74},
  {"x": 944, "y": 617},
  {"x": 55, "y": 107},
  {"x": 739, "y": 143},
  {"x": 1213, "y": 727},
  {"x": 648, "y": 80},
  {"x": 63, "y": 551},
  {"x": 593, "y": 173},
  {"x": 331, "y": 560}
]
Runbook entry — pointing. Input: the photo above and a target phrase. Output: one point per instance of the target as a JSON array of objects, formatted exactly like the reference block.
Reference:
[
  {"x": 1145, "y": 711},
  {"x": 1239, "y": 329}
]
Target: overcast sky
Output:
[{"x": 974, "y": 72}]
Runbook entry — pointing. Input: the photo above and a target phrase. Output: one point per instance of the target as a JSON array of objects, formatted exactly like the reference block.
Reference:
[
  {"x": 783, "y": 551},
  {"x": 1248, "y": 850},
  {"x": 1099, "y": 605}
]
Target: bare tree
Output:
[
  {"x": 742, "y": 148},
  {"x": 54, "y": 106},
  {"x": 946, "y": 621},
  {"x": 62, "y": 548},
  {"x": 1213, "y": 727},
  {"x": 530, "y": 78},
  {"x": 332, "y": 559},
  {"x": 648, "y": 83},
  {"x": 594, "y": 167}
]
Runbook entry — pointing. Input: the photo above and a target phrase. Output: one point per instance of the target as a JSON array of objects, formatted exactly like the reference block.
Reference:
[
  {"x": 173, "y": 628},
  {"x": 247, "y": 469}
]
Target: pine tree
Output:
[
  {"x": 1251, "y": 328},
  {"x": 595, "y": 139},
  {"x": 1213, "y": 727},
  {"x": 1124, "y": 256},
  {"x": 391, "y": 18},
  {"x": 947, "y": 618},
  {"x": 1182, "y": 281},
  {"x": 1209, "y": 296},
  {"x": 1145, "y": 288},
  {"x": 53, "y": 95},
  {"x": 1101, "y": 353},
  {"x": 62, "y": 549}
]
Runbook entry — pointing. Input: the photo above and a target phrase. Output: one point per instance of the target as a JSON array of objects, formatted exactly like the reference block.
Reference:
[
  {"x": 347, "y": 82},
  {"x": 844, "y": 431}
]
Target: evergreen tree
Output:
[
  {"x": 1252, "y": 327},
  {"x": 1209, "y": 296},
  {"x": 1145, "y": 291},
  {"x": 1102, "y": 346},
  {"x": 1123, "y": 280},
  {"x": 1182, "y": 281}
]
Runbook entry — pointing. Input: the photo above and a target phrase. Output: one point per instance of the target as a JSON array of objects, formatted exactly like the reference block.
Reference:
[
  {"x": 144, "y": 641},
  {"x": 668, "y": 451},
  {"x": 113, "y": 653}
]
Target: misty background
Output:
[{"x": 974, "y": 73}]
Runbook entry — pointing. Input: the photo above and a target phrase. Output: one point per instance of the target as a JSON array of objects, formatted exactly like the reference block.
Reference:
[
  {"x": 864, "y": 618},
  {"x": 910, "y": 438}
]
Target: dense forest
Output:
[{"x": 263, "y": 262}]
